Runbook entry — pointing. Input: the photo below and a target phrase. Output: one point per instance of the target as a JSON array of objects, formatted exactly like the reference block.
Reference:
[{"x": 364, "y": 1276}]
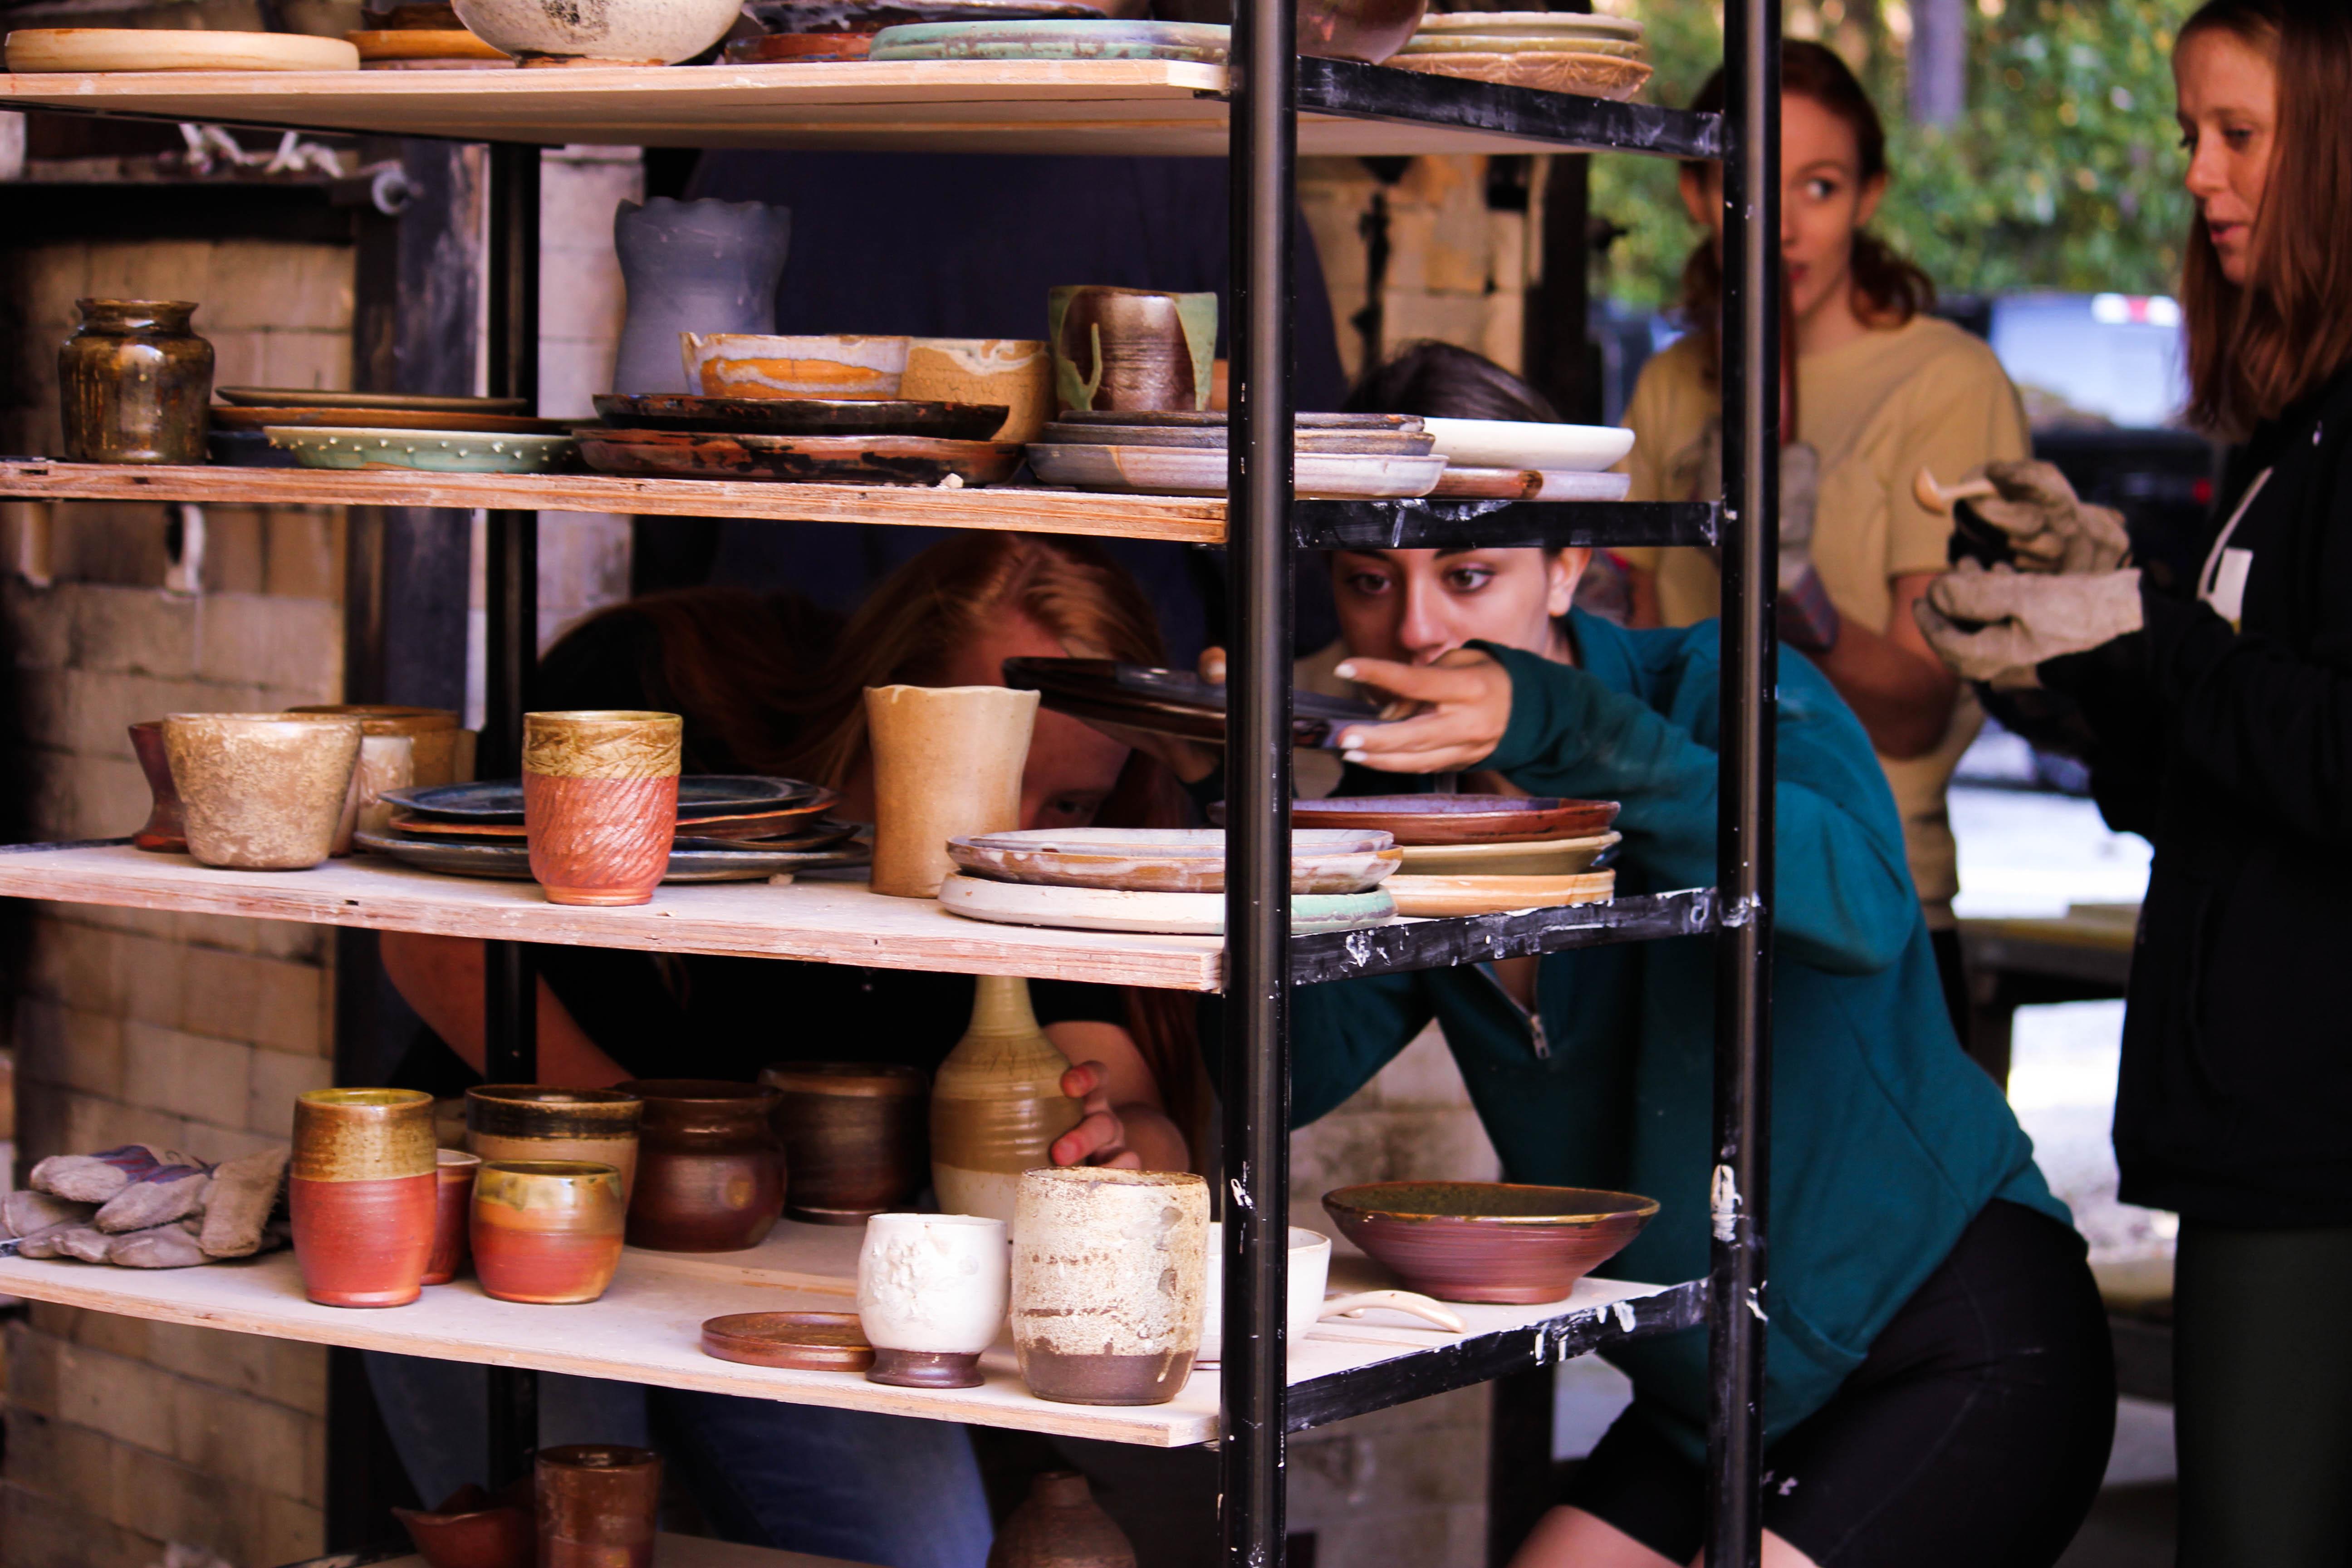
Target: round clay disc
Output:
[{"x": 812, "y": 1342}]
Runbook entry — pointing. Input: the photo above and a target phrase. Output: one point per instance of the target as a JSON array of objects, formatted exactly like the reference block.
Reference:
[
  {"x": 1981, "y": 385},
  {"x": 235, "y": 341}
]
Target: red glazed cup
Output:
[
  {"x": 361, "y": 1188},
  {"x": 452, "y": 1215},
  {"x": 598, "y": 1503},
  {"x": 600, "y": 802},
  {"x": 547, "y": 1231}
]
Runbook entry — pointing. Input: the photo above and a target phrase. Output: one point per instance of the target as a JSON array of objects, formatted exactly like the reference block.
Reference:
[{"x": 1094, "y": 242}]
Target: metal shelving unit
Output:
[{"x": 1261, "y": 112}]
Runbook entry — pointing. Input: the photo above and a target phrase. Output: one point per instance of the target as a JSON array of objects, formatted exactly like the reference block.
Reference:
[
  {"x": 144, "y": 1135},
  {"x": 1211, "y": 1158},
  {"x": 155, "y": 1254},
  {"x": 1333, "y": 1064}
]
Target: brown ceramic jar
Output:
[
  {"x": 711, "y": 1171},
  {"x": 134, "y": 382},
  {"x": 360, "y": 1185},
  {"x": 533, "y": 1121},
  {"x": 598, "y": 1503},
  {"x": 854, "y": 1136},
  {"x": 600, "y": 802}
]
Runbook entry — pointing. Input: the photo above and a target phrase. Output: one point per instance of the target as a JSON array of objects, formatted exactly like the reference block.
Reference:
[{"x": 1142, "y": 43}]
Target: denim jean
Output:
[{"x": 438, "y": 1413}]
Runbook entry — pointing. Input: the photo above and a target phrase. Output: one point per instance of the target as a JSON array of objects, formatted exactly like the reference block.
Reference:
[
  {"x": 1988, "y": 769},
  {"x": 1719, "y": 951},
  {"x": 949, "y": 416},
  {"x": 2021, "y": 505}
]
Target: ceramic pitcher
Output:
[{"x": 693, "y": 266}]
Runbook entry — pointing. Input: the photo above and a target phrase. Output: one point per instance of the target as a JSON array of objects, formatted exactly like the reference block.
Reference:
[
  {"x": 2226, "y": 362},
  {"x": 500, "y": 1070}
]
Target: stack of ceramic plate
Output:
[
  {"x": 1338, "y": 454},
  {"x": 731, "y": 829},
  {"x": 844, "y": 29},
  {"x": 1557, "y": 51},
  {"x": 807, "y": 440},
  {"x": 1170, "y": 881},
  {"x": 1507, "y": 459},
  {"x": 1199, "y": 43},
  {"x": 1169, "y": 702},
  {"x": 272, "y": 426},
  {"x": 1482, "y": 854}
]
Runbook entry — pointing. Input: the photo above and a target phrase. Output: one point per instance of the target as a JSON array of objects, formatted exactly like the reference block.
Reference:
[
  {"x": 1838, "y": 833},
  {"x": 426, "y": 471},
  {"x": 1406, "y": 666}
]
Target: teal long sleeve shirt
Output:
[{"x": 1887, "y": 1140}]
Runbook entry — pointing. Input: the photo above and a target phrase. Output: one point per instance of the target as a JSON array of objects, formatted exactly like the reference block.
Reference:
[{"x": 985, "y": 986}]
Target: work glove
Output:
[
  {"x": 1807, "y": 621},
  {"x": 2049, "y": 529},
  {"x": 139, "y": 1207},
  {"x": 1999, "y": 626}
]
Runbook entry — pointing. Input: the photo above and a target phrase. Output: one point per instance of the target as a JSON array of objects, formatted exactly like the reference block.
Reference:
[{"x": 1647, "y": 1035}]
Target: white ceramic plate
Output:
[
  {"x": 1500, "y": 42},
  {"x": 1167, "y": 914},
  {"x": 1201, "y": 471},
  {"x": 1490, "y": 895},
  {"x": 1530, "y": 22},
  {"x": 1542, "y": 857},
  {"x": 427, "y": 451},
  {"x": 43, "y": 49},
  {"x": 1168, "y": 860},
  {"x": 1513, "y": 444}
]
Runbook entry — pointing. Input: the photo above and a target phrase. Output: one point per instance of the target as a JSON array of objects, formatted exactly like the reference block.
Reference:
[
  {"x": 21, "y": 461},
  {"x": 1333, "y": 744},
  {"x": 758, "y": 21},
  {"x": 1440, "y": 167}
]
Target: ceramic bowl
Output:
[
  {"x": 855, "y": 1137},
  {"x": 423, "y": 451},
  {"x": 535, "y": 1121},
  {"x": 1589, "y": 76},
  {"x": 1488, "y": 1241},
  {"x": 1517, "y": 444},
  {"x": 1366, "y": 30},
  {"x": 546, "y": 1232},
  {"x": 710, "y": 1169},
  {"x": 1168, "y": 860},
  {"x": 1310, "y": 1271},
  {"x": 1564, "y": 23},
  {"x": 746, "y": 365},
  {"x": 471, "y": 1530},
  {"x": 1016, "y": 372},
  {"x": 617, "y": 32}
]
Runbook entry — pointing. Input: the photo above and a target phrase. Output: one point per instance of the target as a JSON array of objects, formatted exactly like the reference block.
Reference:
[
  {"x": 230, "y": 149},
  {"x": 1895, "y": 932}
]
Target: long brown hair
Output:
[
  {"x": 1888, "y": 289},
  {"x": 2254, "y": 351}
]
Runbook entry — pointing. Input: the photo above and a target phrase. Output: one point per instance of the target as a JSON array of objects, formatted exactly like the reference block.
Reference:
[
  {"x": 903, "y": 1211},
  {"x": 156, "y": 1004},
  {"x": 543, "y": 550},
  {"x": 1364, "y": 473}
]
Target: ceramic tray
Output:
[
  {"x": 1488, "y": 1241},
  {"x": 1169, "y": 914},
  {"x": 1168, "y": 860},
  {"x": 1458, "y": 818},
  {"x": 308, "y": 398},
  {"x": 1496, "y": 895},
  {"x": 1565, "y": 22},
  {"x": 1306, "y": 438},
  {"x": 1593, "y": 76},
  {"x": 859, "y": 17},
  {"x": 1170, "y": 702},
  {"x": 36, "y": 50},
  {"x": 511, "y": 861},
  {"x": 805, "y": 460},
  {"x": 237, "y": 416},
  {"x": 1514, "y": 444},
  {"x": 699, "y": 796},
  {"x": 805, "y": 416},
  {"x": 1534, "y": 858},
  {"x": 1201, "y": 471},
  {"x": 1205, "y": 43},
  {"x": 425, "y": 451}
]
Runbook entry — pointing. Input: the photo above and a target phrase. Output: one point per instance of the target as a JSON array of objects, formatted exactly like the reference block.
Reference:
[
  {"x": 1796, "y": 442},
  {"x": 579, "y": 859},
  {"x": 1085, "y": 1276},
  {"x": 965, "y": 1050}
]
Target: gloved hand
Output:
[
  {"x": 1808, "y": 620},
  {"x": 1999, "y": 626},
  {"x": 2050, "y": 529}
]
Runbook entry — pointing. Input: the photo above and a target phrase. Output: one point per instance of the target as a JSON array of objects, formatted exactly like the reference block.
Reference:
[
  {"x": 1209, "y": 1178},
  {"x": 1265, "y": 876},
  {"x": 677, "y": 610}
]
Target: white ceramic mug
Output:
[
  {"x": 931, "y": 1294},
  {"x": 1311, "y": 1272}
]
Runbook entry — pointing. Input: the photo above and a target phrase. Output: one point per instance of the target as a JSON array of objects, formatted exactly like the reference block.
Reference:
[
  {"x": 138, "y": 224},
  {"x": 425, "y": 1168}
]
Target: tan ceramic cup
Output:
[
  {"x": 947, "y": 763},
  {"x": 600, "y": 802},
  {"x": 261, "y": 792},
  {"x": 433, "y": 734},
  {"x": 1016, "y": 372},
  {"x": 1109, "y": 1282}
]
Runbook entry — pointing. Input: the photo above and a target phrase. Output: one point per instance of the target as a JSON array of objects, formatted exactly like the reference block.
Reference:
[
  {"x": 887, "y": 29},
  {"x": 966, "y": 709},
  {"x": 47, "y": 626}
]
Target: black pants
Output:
[{"x": 1973, "y": 1436}]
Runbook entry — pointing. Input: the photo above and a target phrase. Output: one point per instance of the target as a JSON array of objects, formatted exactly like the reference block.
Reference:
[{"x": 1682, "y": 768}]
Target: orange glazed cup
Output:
[
  {"x": 547, "y": 1231},
  {"x": 453, "y": 1213},
  {"x": 600, "y": 802},
  {"x": 361, "y": 1188}
]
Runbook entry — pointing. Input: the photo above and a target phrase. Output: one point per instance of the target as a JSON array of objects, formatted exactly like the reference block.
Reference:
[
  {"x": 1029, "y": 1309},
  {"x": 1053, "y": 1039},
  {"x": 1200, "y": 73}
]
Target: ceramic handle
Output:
[{"x": 1409, "y": 1302}]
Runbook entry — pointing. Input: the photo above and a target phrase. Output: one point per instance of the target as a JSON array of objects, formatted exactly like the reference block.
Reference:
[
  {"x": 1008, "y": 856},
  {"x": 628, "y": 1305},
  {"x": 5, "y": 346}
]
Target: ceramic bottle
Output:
[
  {"x": 1060, "y": 1525},
  {"x": 997, "y": 1104},
  {"x": 693, "y": 266}
]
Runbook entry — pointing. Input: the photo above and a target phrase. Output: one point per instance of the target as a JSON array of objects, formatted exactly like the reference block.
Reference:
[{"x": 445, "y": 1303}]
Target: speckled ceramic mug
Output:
[
  {"x": 1110, "y": 1281},
  {"x": 600, "y": 801}
]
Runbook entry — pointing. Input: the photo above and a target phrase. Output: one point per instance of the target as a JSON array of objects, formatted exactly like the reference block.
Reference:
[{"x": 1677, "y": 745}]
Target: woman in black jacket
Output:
[{"x": 2223, "y": 724}]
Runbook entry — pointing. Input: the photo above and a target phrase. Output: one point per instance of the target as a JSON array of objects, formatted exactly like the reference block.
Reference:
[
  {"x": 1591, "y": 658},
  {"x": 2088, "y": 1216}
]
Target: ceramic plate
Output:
[
  {"x": 1498, "y": 895},
  {"x": 810, "y": 1342},
  {"x": 1205, "y": 42},
  {"x": 805, "y": 416},
  {"x": 1593, "y": 76},
  {"x": 40, "y": 49},
  {"x": 1528, "y": 22},
  {"x": 427, "y": 451},
  {"x": 1166, "y": 860},
  {"x": 788, "y": 49},
  {"x": 1513, "y": 444},
  {"x": 699, "y": 796},
  {"x": 1169, "y": 702},
  {"x": 235, "y": 417},
  {"x": 1201, "y": 471},
  {"x": 1186, "y": 419},
  {"x": 1416, "y": 819},
  {"x": 872, "y": 15},
  {"x": 802, "y": 459},
  {"x": 425, "y": 44},
  {"x": 1169, "y": 914},
  {"x": 1502, "y": 41},
  {"x": 1212, "y": 437},
  {"x": 796, "y": 829},
  {"x": 511, "y": 861},
  {"x": 310, "y": 397},
  {"x": 1534, "y": 858},
  {"x": 1488, "y": 484}
]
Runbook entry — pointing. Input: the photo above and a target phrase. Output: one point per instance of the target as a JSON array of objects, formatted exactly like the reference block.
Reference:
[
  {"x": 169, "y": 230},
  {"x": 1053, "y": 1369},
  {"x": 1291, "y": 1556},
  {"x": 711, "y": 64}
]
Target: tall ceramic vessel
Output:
[
  {"x": 947, "y": 763},
  {"x": 361, "y": 1188},
  {"x": 1061, "y": 1526},
  {"x": 997, "y": 1104},
  {"x": 693, "y": 266},
  {"x": 1109, "y": 1269}
]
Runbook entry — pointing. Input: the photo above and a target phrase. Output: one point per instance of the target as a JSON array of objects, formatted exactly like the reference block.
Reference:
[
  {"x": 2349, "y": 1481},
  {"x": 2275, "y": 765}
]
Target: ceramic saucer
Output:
[
  {"x": 1375, "y": 443},
  {"x": 421, "y": 403},
  {"x": 1416, "y": 819},
  {"x": 1493, "y": 895},
  {"x": 699, "y": 796},
  {"x": 1534, "y": 858},
  {"x": 1169, "y": 702},
  {"x": 507, "y": 860},
  {"x": 239, "y": 417},
  {"x": 1171, "y": 915},
  {"x": 1566, "y": 22},
  {"x": 1168, "y": 860},
  {"x": 45, "y": 49},
  {"x": 1515, "y": 443},
  {"x": 425, "y": 451}
]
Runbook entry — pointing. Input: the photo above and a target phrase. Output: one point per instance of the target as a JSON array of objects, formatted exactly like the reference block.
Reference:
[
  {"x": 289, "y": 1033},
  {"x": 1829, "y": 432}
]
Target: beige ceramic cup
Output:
[
  {"x": 1109, "y": 1282},
  {"x": 262, "y": 791},
  {"x": 600, "y": 801},
  {"x": 1016, "y": 372},
  {"x": 947, "y": 763},
  {"x": 433, "y": 733}
]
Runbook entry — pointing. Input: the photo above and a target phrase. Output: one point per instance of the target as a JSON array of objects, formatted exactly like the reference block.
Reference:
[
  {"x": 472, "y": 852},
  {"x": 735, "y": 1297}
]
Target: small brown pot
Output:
[
  {"x": 1060, "y": 1525},
  {"x": 598, "y": 1503},
  {"x": 711, "y": 1171},
  {"x": 547, "y": 1231},
  {"x": 433, "y": 734},
  {"x": 855, "y": 1140},
  {"x": 165, "y": 830},
  {"x": 600, "y": 802},
  {"x": 532, "y": 1121},
  {"x": 360, "y": 1185},
  {"x": 452, "y": 1215},
  {"x": 134, "y": 382},
  {"x": 261, "y": 792}
]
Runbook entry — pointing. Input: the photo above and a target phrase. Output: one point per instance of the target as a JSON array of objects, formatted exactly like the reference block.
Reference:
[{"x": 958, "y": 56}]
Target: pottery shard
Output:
[
  {"x": 162, "y": 1196},
  {"x": 26, "y": 1213},
  {"x": 244, "y": 1191},
  {"x": 161, "y": 1246}
]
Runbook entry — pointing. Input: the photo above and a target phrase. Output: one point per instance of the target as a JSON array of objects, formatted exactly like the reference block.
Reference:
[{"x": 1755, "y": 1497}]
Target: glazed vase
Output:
[
  {"x": 1110, "y": 1272},
  {"x": 711, "y": 1170},
  {"x": 598, "y": 1506},
  {"x": 947, "y": 763},
  {"x": 1060, "y": 1525},
  {"x": 854, "y": 1135},
  {"x": 360, "y": 1185},
  {"x": 1131, "y": 348},
  {"x": 434, "y": 733},
  {"x": 997, "y": 1104},
  {"x": 134, "y": 382},
  {"x": 547, "y": 1231},
  {"x": 453, "y": 1212},
  {"x": 533, "y": 1121},
  {"x": 165, "y": 830},
  {"x": 692, "y": 266},
  {"x": 600, "y": 802},
  {"x": 1017, "y": 374},
  {"x": 261, "y": 792},
  {"x": 932, "y": 1290}
]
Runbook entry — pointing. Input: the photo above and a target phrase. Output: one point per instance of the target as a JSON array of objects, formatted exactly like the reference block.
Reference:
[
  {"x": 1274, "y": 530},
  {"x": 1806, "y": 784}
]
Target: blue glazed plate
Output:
[
  {"x": 1201, "y": 43},
  {"x": 511, "y": 862},
  {"x": 698, "y": 795}
]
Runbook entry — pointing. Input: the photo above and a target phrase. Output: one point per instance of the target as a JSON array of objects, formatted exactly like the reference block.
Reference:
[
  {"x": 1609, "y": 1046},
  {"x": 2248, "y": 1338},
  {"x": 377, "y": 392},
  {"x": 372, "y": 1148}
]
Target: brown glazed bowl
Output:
[
  {"x": 1488, "y": 1241},
  {"x": 470, "y": 1530},
  {"x": 711, "y": 1170},
  {"x": 855, "y": 1135},
  {"x": 1366, "y": 30},
  {"x": 534, "y": 1122},
  {"x": 165, "y": 830}
]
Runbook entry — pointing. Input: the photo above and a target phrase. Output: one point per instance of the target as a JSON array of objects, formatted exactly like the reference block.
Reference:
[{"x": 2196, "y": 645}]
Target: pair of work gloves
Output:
[
  {"x": 2065, "y": 586},
  {"x": 143, "y": 1207}
]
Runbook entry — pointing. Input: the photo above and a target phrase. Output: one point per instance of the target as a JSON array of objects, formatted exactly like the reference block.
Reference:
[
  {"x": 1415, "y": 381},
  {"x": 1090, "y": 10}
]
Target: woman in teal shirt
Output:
[{"x": 1939, "y": 1381}]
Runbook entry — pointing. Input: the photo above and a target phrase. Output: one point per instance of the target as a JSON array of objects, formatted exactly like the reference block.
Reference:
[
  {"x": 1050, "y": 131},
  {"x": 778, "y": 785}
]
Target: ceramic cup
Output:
[
  {"x": 533, "y": 1121},
  {"x": 164, "y": 829},
  {"x": 738, "y": 365},
  {"x": 261, "y": 792},
  {"x": 711, "y": 1170},
  {"x": 598, "y": 1503},
  {"x": 360, "y": 1185},
  {"x": 600, "y": 802},
  {"x": 1110, "y": 1272},
  {"x": 931, "y": 1294},
  {"x": 434, "y": 733},
  {"x": 451, "y": 1214},
  {"x": 1130, "y": 349},
  {"x": 947, "y": 763},
  {"x": 1309, "y": 1272},
  {"x": 854, "y": 1136},
  {"x": 1016, "y": 372},
  {"x": 547, "y": 1231}
]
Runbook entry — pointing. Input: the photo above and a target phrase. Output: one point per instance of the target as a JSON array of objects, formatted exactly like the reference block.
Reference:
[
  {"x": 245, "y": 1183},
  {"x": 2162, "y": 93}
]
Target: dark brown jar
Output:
[
  {"x": 856, "y": 1138},
  {"x": 711, "y": 1171},
  {"x": 134, "y": 384}
]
